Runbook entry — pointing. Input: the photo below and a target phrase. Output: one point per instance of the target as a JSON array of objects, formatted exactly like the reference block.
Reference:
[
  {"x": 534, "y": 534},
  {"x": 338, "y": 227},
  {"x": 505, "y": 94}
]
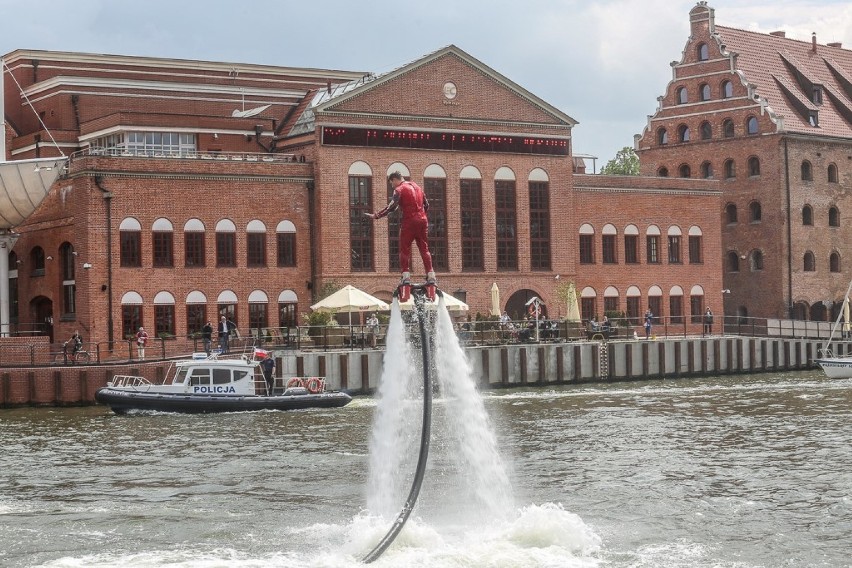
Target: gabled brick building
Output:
[
  {"x": 197, "y": 189},
  {"x": 771, "y": 119}
]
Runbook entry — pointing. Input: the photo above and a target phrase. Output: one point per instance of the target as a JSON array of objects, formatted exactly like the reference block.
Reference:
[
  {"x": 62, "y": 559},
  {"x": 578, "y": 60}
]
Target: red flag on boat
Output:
[{"x": 260, "y": 353}]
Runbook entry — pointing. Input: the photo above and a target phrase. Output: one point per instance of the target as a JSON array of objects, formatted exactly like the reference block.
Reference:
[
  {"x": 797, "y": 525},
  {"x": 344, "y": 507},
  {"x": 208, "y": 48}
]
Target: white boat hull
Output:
[{"x": 836, "y": 367}]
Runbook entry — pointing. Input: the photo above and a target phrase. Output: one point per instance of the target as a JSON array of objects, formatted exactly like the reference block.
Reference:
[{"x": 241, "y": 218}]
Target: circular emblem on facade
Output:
[{"x": 450, "y": 90}]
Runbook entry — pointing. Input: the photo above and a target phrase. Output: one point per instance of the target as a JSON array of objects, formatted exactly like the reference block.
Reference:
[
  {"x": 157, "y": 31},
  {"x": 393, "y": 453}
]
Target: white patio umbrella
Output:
[
  {"x": 495, "y": 301},
  {"x": 453, "y": 304},
  {"x": 350, "y": 299}
]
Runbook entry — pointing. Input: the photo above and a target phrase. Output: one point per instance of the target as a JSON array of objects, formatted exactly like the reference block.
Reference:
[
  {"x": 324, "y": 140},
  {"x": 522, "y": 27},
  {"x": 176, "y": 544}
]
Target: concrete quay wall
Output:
[{"x": 500, "y": 366}]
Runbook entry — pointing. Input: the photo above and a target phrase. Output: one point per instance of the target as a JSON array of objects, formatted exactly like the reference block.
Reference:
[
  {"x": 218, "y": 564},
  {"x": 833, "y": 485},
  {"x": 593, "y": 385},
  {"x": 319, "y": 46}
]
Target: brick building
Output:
[
  {"x": 769, "y": 117},
  {"x": 196, "y": 189}
]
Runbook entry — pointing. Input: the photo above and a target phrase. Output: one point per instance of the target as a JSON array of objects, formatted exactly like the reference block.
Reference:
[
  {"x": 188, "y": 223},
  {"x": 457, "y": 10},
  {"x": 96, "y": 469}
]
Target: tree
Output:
[{"x": 625, "y": 163}]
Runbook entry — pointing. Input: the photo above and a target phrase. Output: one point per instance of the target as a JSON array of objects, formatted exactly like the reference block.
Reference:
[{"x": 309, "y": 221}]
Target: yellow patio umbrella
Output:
[{"x": 495, "y": 300}]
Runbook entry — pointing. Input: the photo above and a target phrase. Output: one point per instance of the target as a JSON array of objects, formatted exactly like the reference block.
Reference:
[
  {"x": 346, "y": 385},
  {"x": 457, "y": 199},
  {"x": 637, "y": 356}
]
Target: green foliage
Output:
[
  {"x": 625, "y": 163},
  {"x": 328, "y": 288},
  {"x": 317, "y": 318}
]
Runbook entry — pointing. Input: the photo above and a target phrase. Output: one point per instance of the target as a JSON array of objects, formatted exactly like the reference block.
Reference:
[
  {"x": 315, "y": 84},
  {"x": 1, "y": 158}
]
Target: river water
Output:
[{"x": 733, "y": 471}]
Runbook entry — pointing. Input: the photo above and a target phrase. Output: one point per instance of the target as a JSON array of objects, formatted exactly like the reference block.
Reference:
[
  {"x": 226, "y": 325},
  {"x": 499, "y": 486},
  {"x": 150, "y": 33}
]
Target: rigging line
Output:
[{"x": 38, "y": 116}]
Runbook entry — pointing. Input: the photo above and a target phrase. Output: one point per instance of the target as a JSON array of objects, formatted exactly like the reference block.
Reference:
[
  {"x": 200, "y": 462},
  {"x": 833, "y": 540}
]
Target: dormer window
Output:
[
  {"x": 813, "y": 118},
  {"x": 816, "y": 97}
]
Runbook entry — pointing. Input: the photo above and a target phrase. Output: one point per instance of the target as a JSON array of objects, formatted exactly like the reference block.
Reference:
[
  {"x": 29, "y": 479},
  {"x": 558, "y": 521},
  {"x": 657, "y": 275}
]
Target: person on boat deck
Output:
[
  {"x": 141, "y": 340},
  {"x": 207, "y": 337},
  {"x": 413, "y": 226},
  {"x": 267, "y": 365},
  {"x": 225, "y": 329}
]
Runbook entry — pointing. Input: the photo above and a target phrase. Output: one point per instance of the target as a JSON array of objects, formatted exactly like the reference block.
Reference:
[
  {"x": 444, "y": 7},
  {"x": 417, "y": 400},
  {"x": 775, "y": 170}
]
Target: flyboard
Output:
[{"x": 420, "y": 293}]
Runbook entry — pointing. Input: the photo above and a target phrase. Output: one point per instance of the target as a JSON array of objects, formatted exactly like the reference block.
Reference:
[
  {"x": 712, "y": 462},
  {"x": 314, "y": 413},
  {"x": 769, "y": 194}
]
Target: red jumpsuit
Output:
[{"x": 413, "y": 226}]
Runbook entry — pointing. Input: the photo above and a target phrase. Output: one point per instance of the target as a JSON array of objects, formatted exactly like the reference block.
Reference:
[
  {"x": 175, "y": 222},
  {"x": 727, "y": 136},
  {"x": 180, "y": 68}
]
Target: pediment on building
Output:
[{"x": 448, "y": 85}]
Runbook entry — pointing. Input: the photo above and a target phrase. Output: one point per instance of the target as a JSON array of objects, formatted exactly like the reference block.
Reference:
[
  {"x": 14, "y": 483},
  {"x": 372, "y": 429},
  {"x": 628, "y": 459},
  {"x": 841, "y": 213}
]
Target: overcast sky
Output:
[{"x": 602, "y": 62}]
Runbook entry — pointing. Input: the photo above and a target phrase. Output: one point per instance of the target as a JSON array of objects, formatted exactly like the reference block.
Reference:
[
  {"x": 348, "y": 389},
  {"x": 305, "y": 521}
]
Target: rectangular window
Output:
[
  {"x": 287, "y": 314},
  {"x": 587, "y": 249},
  {"x": 436, "y": 192},
  {"x": 131, "y": 320},
  {"x": 131, "y": 248},
  {"x": 634, "y": 309},
  {"x": 539, "y": 225},
  {"x": 164, "y": 319},
  {"x": 506, "y": 216},
  {"x": 226, "y": 249},
  {"x": 229, "y": 311},
  {"x": 696, "y": 308},
  {"x": 674, "y": 249},
  {"x": 393, "y": 233},
  {"x": 653, "y": 249},
  {"x": 196, "y": 317},
  {"x": 587, "y": 308},
  {"x": 258, "y": 316},
  {"x": 163, "y": 243},
  {"x": 610, "y": 304},
  {"x": 610, "y": 254},
  {"x": 471, "y": 225},
  {"x": 69, "y": 298},
  {"x": 286, "y": 249},
  {"x": 193, "y": 244},
  {"x": 676, "y": 309},
  {"x": 360, "y": 226},
  {"x": 631, "y": 249},
  {"x": 256, "y": 250},
  {"x": 695, "y": 249}
]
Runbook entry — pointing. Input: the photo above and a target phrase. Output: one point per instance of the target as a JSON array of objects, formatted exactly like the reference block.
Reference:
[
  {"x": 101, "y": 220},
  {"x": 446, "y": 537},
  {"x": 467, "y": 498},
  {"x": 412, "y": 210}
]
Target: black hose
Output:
[{"x": 425, "y": 434}]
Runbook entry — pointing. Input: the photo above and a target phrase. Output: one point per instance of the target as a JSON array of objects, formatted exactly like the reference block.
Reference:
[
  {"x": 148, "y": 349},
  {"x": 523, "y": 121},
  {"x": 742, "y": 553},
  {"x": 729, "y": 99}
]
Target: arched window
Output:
[
  {"x": 807, "y": 171},
  {"x": 706, "y": 170},
  {"x": 193, "y": 244},
  {"x": 164, "y": 314},
  {"x": 676, "y": 304},
  {"x": 538, "y": 184},
  {"x": 756, "y": 260},
  {"x": 663, "y": 172},
  {"x": 682, "y": 96},
  {"x": 506, "y": 215},
  {"x": 834, "y": 262},
  {"x": 733, "y": 261},
  {"x": 285, "y": 235},
  {"x": 258, "y": 303},
  {"x": 652, "y": 245},
  {"x": 706, "y": 130},
  {"x": 226, "y": 243},
  {"x": 833, "y": 217},
  {"x": 754, "y": 211},
  {"x": 588, "y": 301},
  {"x": 704, "y": 91},
  {"x": 162, "y": 240},
  {"x": 727, "y": 89},
  {"x": 611, "y": 299},
  {"x": 587, "y": 244},
  {"x": 832, "y": 173},
  {"x": 131, "y": 313},
  {"x": 256, "y": 244},
  {"x": 730, "y": 169},
  {"x": 728, "y": 128},
  {"x": 288, "y": 309},
  {"x": 731, "y": 213},
  {"x": 631, "y": 244},
  {"x": 675, "y": 236},
  {"x": 751, "y": 125},
  {"x": 662, "y": 136},
  {"x": 809, "y": 262},
  {"x": 609, "y": 237},
  {"x": 753, "y": 166},
  {"x": 684, "y": 171},
  {"x": 807, "y": 215},
  {"x": 360, "y": 228},
  {"x": 130, "y": 243},
  {"x": 696, "y": 248},
  {"x": 470, "y": 211},
  {"x": 683, "y": 133},
  {"x": 67, "y": 257},
  {"x": 703, "y": 52},
  {"x": 196, "y": 311}
]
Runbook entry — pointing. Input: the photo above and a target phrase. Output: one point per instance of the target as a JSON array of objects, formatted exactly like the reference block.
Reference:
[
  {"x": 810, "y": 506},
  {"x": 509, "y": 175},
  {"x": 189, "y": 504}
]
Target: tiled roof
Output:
[{"x": 783, "y": 71}]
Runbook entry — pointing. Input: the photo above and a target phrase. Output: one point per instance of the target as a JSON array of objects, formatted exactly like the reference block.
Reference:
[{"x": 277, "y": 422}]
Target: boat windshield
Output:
[{"x": 180, "y": 376}]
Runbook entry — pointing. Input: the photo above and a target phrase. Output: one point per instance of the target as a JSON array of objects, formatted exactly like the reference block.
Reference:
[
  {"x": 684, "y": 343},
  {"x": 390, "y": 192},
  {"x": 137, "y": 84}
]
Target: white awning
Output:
[{"x": 23, "y": 186}]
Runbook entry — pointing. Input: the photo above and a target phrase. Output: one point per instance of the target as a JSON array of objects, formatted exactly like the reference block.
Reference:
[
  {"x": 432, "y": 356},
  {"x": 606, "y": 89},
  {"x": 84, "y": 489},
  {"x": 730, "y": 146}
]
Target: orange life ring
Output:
[
  {"x": 295, "y": 382},
  {"x": 315, "y": 385}
]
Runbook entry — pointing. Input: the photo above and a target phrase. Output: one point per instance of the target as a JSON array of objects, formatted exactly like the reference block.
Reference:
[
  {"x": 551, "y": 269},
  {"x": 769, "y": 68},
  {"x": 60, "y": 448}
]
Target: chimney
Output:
[
  {"x": 779, "y": 33},
  {"x": 836, "y": 44},
  {"x": 328, "y": 86},
  {"x": 813, "y": 42}
]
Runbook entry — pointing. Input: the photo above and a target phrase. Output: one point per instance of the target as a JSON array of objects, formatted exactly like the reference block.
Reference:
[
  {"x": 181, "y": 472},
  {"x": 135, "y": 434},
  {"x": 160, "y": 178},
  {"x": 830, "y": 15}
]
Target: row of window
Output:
[
  {"x": 726, "y": 91},
  {"x": 467, "y": 212},
  {"x": 633, "y": 303},
  {"x": 755, "y": 214},
  {"x": 195, "y": 246},
  {"x": 653, "y": 251},
  {"x": 705, "y": 131},
  {"x": 227, "y": 304},
  {"x": 753, "y": 170}
]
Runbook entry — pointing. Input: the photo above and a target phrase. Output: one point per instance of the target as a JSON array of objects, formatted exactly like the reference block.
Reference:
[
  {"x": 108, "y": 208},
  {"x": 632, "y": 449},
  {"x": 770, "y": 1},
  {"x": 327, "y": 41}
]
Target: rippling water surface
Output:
[{"x": 734, "y": 471}]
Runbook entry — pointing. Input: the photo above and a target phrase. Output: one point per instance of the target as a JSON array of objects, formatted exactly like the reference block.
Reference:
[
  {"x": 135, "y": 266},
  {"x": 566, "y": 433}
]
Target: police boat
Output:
[{"x": 213, "y": 384}]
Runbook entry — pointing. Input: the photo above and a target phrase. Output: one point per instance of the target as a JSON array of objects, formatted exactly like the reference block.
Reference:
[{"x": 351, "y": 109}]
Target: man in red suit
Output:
[{"x": 413, "y": 227}]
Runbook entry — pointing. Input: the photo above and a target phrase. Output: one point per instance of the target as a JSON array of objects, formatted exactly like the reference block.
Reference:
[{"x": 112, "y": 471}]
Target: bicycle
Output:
[{"x": 75, "y": 356}]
